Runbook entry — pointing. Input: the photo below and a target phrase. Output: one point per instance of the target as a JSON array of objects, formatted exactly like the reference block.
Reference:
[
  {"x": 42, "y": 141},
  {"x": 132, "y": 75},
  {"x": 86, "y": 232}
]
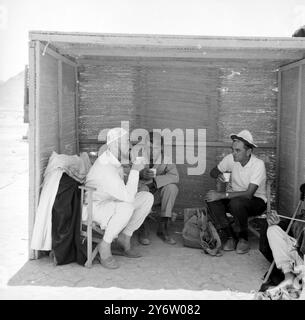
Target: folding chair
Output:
[
  {"x": 293, "y": 218},
  {"x": 89, "y": 229}
]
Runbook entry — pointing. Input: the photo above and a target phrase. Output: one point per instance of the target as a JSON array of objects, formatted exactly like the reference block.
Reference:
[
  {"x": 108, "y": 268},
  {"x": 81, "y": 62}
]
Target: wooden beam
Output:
[
  {"x": 60, "y": 107},
  {"x": 177, "y": 62},
  {"x": 302, "y": 133},
  {"x": 169, "y": 40},
  {"x": 32, "y": 102},
  {"x": 44, "y": 49},
  {"x": 214, "y": 144},
  {"x": 37, "y": 127},
  {"x": 195, "y": 53},
  {"x": 278, "y": 137},
  {"x": 76, "y": 110},
  {"x": 298, "y": 137},
  {"x": 292, "y": 65},
  {"x": 33, "y": 145},
  {"x": 26, "y": 95}
]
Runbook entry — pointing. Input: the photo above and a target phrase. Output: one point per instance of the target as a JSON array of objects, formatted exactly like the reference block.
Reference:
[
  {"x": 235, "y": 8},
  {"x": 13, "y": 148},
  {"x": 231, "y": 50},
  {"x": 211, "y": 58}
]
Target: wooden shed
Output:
[{"x": 81, "y": 83}]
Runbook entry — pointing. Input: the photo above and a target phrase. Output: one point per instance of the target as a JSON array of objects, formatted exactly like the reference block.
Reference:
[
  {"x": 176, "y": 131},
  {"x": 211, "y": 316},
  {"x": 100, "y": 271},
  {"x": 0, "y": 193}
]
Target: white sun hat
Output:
[
  {"x": 115, "y": 134},
  {"x": 245, "y": 136}
]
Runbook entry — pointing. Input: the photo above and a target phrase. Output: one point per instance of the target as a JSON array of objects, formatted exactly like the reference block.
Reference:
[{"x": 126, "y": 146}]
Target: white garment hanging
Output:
[
  {"x": 76, "y": 167},
  {"x": 42, "y": 232}
]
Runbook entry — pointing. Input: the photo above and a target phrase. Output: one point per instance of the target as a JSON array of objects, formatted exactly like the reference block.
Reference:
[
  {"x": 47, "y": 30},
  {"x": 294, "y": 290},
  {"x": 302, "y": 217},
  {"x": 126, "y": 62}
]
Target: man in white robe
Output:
[{"x": 117, "y": 207}]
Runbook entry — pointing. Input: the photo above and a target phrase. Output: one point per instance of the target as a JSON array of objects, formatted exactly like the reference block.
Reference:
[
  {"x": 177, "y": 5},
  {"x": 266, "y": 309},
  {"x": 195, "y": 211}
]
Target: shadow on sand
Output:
[{"x": 162, "y": 267}]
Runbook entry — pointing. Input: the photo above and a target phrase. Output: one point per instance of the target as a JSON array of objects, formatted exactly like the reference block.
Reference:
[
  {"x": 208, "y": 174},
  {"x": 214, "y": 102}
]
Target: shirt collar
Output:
[
  {"x": 249, "y": 163},
  {"x": 107, "y": 157}
]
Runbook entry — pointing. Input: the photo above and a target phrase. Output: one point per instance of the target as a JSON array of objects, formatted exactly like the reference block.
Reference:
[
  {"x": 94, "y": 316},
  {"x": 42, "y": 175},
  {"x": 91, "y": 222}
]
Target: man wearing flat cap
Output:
[
  {"x": 246, "y": 195},
  {"x": 162, "y": 184}
]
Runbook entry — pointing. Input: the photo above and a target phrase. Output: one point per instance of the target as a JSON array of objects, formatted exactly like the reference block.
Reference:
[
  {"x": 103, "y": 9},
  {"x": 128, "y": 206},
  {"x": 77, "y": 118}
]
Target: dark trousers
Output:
[{"x": 240, "y": 208}]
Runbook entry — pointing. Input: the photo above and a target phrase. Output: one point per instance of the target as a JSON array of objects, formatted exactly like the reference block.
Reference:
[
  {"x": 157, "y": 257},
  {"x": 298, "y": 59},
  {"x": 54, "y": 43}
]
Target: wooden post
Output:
[
  {"x": 76, "y": 110},
  {"x": 301, "y": 136},
  {"x": 37, "y": 126},
  {"x": 89, "y": 231},
  {"x": 60, "y": 115},
  {"x": 297, "y": 144},
  {"x": 26, "y": 95},
  {"x": 34, "y": 168},
  {"x": 81, "y": 208},
  {"x": 278, "y": 137}
]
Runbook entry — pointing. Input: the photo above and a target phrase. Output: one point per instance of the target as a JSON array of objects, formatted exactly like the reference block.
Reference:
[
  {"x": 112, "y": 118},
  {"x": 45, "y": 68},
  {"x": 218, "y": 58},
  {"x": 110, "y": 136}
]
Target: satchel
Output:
[{"x": 199, "y": 232}]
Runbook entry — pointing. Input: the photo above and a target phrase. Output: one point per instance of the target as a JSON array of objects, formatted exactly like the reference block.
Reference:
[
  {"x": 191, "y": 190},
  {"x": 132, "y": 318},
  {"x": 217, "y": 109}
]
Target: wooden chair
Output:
[{"x": 89, "y": 229}]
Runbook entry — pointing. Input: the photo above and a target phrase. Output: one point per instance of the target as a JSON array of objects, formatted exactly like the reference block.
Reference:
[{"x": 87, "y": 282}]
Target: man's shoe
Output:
[
  {"x": 166, "y": 238},
  {"x": 242, "y": 246},
  {"x": 130, "y": 253},
  {"x": 143, "y": 240},
  {"x": 229, "y": 245},
  {"x": 109, "y": 263}
]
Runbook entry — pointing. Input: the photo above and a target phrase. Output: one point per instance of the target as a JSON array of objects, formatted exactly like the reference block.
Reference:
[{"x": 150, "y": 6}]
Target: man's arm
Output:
[
  {"x": 225, "y": 165},
  {"x": 248, "y": 194},
  {"x": 115, "y": 186},
  {"x": 215, "y": 172}
]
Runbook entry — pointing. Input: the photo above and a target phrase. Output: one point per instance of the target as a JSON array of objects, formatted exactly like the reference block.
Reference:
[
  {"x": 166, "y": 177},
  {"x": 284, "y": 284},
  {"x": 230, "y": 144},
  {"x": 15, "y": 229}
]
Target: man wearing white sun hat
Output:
[{"x": 246, "y": 195}]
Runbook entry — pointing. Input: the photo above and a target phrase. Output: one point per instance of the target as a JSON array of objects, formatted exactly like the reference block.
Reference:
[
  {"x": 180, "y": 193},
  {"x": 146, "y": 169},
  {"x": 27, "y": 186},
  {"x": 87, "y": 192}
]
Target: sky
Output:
[{"x": 274, "y": 18}]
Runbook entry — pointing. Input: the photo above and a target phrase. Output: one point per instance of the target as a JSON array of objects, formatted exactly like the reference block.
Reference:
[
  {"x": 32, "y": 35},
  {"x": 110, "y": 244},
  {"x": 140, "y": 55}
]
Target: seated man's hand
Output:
[
  {"x": 221, "y": 178},
  {"x": 138, "y": 165},
  {"x": 146, "y": 174},
  {"x": 213, "y": 195},
  {"x": 272, "y": 218},
  {"x": 152, "y": 187}
]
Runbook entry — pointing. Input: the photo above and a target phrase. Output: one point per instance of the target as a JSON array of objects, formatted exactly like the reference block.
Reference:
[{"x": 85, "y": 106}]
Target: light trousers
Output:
[
  {"x": 116, "y": 216},
  {"x": 166, "y": 197},
  {"x": 283, "y": 249}
]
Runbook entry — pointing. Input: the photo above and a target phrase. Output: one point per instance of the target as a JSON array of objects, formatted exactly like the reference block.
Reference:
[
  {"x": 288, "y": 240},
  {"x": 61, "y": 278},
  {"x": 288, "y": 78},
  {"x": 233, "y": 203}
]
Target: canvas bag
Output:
[{"x": 199, "y": 232}]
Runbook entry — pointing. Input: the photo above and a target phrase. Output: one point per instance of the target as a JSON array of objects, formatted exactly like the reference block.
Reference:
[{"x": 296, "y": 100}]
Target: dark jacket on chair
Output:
[{"x": 66, "y": 242}]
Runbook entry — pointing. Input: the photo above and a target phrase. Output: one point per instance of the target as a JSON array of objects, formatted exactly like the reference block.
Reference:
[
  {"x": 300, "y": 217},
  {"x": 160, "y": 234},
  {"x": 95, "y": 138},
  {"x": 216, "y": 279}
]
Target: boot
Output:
[
  {"x": 143, "y": 234},
  {"x": 163, "y": 231}
]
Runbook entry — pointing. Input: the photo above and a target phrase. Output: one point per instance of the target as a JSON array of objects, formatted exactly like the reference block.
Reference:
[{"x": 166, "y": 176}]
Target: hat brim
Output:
[{"x": 234, "y": 136}]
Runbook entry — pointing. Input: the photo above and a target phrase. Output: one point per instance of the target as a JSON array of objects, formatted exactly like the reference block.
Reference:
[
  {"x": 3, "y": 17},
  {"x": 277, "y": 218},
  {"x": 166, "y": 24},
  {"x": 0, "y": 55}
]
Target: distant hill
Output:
[{"x": 12, "y": 93}]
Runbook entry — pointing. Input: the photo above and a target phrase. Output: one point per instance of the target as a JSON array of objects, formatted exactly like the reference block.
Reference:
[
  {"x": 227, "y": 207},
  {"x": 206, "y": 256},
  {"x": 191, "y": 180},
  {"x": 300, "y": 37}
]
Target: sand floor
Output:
[{"x": 164, "y": 271}]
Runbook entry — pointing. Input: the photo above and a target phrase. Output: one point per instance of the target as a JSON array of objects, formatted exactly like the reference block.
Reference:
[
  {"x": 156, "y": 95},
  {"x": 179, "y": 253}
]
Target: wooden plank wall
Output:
[
  {"x": 292, "y": 133},
  {"x": 220, "y": 96},
  {"x": 57, "y": 107},
  {"x": 52, "y": 116},
  {"x": 48, "y": 109},
  {"x": 106, "y": 96},
  {"x": 288, "y": 123}
]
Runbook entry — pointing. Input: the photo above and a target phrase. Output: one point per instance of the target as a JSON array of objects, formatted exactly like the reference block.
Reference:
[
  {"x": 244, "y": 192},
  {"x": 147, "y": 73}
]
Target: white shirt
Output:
[
  {"x": 106, "y": 175},
  {"x": 253, "y": 172}
]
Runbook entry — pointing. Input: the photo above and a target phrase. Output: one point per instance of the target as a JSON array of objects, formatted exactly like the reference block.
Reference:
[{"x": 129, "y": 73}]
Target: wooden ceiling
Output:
[{"x": 87, "y": 46}]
